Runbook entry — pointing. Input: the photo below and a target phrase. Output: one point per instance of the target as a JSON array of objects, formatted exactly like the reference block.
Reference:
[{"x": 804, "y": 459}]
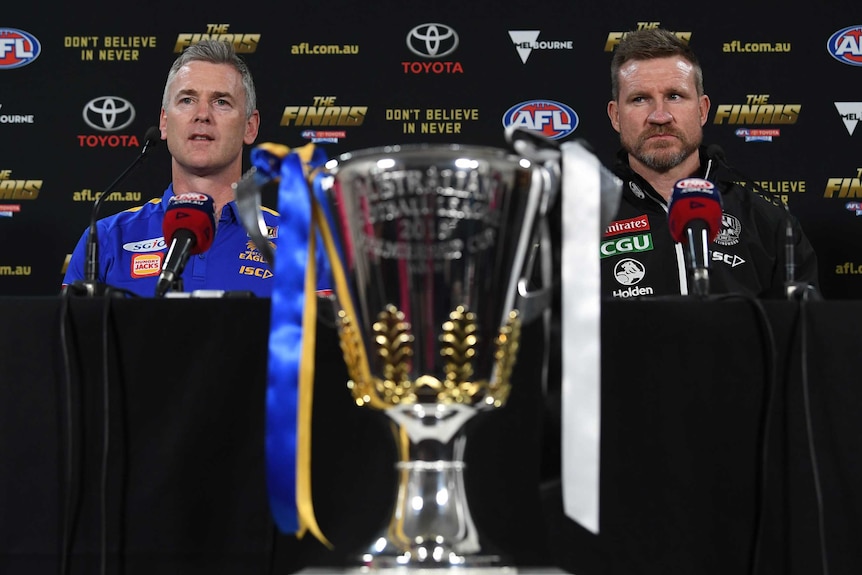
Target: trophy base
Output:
[{"x": 402, "y": 570}]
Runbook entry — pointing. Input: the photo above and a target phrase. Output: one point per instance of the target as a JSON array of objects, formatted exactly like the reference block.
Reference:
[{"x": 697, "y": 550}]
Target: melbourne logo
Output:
[
  {"x": 851, "y": 113},
  {"x": 109, "y": 113},
  {"x": 17, "y": 48},
  {"x": 432, "y": 40},
  {"x": 845, "y": 45},
  {"x": 551, "y": 119},
  {"x": 526, "y": 41}
]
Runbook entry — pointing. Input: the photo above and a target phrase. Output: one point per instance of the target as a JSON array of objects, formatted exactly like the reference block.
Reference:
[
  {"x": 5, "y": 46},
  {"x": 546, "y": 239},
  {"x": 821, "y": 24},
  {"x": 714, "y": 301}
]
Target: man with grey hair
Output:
[
  {"x": 659, "y": 107},
  {"x": 208, "y": 115}
]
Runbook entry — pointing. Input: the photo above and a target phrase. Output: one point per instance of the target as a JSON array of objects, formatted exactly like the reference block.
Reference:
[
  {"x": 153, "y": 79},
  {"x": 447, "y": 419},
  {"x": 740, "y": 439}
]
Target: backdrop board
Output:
[{"x": 80, "y": 86}]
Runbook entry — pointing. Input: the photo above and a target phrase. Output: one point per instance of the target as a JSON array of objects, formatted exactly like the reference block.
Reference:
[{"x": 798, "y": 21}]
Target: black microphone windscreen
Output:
[
  {"x": 716, "y": 152},
  {"x": 152, "y": 137}
]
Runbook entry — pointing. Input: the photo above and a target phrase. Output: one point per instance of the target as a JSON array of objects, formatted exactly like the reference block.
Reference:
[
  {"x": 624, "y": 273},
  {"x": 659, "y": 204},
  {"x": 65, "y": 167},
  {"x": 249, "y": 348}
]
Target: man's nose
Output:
[
  {"x": 202, "y": 111},
  {"x": 660, "y": 115}
]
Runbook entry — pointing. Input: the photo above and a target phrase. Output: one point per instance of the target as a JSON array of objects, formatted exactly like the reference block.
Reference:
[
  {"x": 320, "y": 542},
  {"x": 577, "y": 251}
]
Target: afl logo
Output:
[
  {"x": 846, "y": 45},
  {"x": 109, "y": 113},
  {"x": 553, "y": 120},
  {"x": 17, "y": 48},
  {"x": 432, "y": 40}
]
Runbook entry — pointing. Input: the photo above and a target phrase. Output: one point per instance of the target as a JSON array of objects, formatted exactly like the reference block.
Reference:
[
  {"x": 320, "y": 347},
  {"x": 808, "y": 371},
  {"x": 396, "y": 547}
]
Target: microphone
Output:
[
  {"x": 189, "y": 226},
  {"x": 716, "y": 152},
  {"x": 694, "y": 218},
  {"x": 89, "y": 285},
  {"x": 792, "y": 288}
]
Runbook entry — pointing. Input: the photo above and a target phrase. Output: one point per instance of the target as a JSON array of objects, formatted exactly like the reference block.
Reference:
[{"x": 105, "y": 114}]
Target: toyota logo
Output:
[
  {"x": 432, "y": 40},
  {"x": 109, "y": 113}
]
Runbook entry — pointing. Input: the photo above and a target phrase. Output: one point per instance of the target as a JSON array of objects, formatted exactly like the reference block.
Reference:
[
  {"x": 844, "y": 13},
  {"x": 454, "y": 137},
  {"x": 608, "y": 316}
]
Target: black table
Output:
[{"x": 707, "y": 443}]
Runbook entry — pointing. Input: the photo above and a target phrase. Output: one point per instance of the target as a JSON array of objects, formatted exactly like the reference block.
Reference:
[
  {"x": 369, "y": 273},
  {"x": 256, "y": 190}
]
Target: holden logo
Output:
[
  {"x": 432, "y": 40},
  {"x": 629, "y": 272},
  {"x": 109, "y": 113}
]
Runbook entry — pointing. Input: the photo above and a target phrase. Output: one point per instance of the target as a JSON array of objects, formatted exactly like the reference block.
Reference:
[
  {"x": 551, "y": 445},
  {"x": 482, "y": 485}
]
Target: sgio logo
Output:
[{"x": 626, "y": 245}]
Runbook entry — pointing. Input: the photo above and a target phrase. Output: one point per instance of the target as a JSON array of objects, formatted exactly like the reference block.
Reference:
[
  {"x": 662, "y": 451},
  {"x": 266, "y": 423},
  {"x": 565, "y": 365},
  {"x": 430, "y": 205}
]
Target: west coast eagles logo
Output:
[{"x": 730, "y": 230}]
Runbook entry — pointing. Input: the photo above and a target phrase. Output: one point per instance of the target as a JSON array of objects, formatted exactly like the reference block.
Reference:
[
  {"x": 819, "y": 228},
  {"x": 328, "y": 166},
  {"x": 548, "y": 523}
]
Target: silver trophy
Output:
[{"x": 437, "y": 243}]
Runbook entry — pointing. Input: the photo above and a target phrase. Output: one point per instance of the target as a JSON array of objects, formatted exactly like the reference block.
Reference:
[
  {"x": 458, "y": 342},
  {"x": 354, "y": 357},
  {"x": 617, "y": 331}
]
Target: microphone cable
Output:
[
  {"x": 111, "y": 293},
  {"x": 809, "y": 431},
  {"x": 106, "y": 437},
  {"x": 765, "y": 421},
  {"x": 769, "y": 407},
  {"x": 72, "y": 429},
  {"x": 71, "y": 490}
]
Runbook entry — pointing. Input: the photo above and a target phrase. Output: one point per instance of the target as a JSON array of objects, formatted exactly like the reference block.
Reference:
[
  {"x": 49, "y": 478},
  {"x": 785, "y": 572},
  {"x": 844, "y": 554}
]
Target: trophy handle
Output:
[
  {"x": 532, "y": 303},
  {"x": 247, "y": 193}
]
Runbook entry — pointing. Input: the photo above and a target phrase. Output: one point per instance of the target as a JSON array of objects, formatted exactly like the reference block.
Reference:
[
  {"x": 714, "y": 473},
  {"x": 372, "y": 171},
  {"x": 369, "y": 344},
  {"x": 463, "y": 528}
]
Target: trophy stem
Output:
[{"x": 431, "y": 526}]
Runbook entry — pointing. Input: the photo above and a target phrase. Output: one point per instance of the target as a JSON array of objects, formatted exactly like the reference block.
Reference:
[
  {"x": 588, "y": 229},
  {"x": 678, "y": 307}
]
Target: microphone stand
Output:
[
  {"x": 90, "y": 285},
  {"x": 793, "y": 290},
  {"x": 699, "y": 273}
]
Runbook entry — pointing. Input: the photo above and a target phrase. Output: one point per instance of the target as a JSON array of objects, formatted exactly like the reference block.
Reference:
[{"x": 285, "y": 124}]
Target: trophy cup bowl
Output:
[{"x": 435, "y": 241}]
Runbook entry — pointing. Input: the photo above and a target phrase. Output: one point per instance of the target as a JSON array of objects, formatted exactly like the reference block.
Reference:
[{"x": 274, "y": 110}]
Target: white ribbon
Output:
[{"x": 581, "y": 193}]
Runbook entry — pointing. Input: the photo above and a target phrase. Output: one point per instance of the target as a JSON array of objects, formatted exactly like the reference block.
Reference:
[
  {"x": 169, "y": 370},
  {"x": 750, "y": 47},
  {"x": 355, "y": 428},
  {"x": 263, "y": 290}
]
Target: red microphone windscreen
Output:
[
  {"x": 694, "y": 199},
  {"x": 194, "y": 213}
]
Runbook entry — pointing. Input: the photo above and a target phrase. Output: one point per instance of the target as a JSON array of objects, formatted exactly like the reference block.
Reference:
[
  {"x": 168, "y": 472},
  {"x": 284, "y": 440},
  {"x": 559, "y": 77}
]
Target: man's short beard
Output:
[
  {"x": 662, "y": 162},
  {"x": 656, "y": 159}
]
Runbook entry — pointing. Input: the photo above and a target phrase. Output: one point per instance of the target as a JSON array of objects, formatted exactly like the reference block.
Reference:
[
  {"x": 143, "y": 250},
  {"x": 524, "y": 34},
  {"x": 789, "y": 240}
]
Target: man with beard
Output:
[{"x": 659, "y": 108}]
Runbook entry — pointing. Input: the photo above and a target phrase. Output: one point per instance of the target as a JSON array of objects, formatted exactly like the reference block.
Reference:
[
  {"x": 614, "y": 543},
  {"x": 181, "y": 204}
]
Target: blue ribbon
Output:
[{"x": 291, "y": 339}]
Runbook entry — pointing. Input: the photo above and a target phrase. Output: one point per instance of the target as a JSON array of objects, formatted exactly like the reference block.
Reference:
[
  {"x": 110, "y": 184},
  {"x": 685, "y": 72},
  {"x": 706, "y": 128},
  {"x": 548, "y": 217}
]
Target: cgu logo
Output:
[
  {"x": 17, "y": 48},
  {"x": 845, "y": 45},
  {"x": 553, "y": 120},
  {"x": 626, "y": 245}
]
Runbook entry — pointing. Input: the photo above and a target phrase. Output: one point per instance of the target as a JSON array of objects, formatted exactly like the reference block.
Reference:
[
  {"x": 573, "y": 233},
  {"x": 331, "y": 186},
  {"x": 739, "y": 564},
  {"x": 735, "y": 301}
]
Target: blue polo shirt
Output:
[{"x": 132, "y": 250}]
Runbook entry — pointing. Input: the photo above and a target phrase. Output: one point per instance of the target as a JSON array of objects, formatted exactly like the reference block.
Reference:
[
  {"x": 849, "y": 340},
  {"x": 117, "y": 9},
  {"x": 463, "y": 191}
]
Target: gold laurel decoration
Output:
[
  {"x": 507, "y": 343},
  {"x": 394, "y": 342},
  {"x": 458, "y": 346},
  {"x": 351, "y": 349}
]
